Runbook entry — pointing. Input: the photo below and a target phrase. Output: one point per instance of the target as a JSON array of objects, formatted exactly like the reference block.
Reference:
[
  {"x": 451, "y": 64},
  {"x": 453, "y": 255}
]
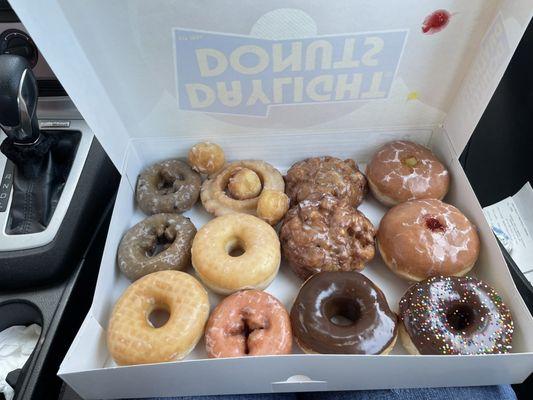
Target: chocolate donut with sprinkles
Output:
[{"x": 454, "y": 315}]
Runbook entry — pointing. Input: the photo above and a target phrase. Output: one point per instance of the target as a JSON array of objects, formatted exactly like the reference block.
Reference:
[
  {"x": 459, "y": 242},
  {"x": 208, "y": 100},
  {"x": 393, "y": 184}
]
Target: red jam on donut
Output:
[
  {"x": 455, "y": 315},
  {"x": 248, "y": 323}
]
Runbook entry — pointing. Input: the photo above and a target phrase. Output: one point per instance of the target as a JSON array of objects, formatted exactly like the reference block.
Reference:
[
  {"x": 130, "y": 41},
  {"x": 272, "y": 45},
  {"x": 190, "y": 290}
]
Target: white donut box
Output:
[{"x": 118, "y": 62}]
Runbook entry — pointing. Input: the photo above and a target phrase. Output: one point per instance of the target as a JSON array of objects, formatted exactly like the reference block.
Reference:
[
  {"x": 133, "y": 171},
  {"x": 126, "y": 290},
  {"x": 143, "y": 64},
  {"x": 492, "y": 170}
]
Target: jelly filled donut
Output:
[
  {"x": 401, "y": 171},
  {"x": 343, "y": 313},
  {"x": 218, "y": 198},
  {"x": 159, "y": 242},
  {"x": 249, "y": 322},
  {"x": 234, "y": 252},
  {"x": 170, "y": 186},
  {"x": 323, "y": 233},
  {"x": 325, "y": 175},
  {"x": 423, "y": 238},
  {"x": 454, "y": 315},
  {"x": 133, "y": 339}
]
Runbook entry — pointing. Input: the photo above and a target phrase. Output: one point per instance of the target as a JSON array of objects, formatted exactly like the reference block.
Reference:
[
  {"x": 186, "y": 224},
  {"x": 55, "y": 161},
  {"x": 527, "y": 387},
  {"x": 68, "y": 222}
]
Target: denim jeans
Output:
[{"x": 503, "y": 392}]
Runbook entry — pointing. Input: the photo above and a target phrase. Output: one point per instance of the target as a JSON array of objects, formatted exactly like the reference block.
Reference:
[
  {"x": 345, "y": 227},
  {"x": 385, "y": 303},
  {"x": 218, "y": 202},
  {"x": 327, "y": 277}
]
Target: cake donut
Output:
[
  {"x": 323, "y": 233},
  {"x": 401, "y": 171},
  {"x": 248, "y": 323},
  {"x": 169, "y": 186},
  {"x": 206, "y": 157},
  {"x": 454, "y": 315},
  {"x": 131, "y": 337},
  {"x": 234, "y": 252},
  {"x": 159, "y": 242},
  {"x": 368, "y": 326},
  {"x": 423, "y": 238},
  {"x": 325, "y": 175},
  {"x": 217, "y": 197}
]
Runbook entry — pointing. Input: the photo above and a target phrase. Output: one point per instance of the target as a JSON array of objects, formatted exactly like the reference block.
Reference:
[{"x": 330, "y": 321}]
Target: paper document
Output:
[{"x": 512, "y": 221}]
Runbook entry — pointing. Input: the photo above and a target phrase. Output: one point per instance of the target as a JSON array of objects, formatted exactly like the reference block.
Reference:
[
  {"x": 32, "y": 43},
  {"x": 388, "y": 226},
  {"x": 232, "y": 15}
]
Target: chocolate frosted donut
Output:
[
  {"x": 401, "y": 171},
  {"x": 325, "y": 175},
  {"x": 326, "y": 234},
  {"x": 159, "y": 242},
  {"x": 343, "y": 313},
  {"x": 454, "y": 315},
  {"x": 423, "y": 238},
  {"x": 170, "y": 186}
]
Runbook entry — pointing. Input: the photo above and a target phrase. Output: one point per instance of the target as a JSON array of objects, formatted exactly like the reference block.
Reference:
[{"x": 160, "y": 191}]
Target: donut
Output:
[
  {"x": 234, "y": 252},
  {"x": 217, "y": 199},
  {"x": 454, "y": 315},
  {"x": 272, "y": 206},
  {"x": 133, "y": 339},
  {"x": 340, "y": 312},
  {"x": 248, "y": 323},
  {"x": 325, "y": 175},
  {"x": 244, "y": 184},
  {"x": 169, "y": 186},
  {"x": 206, "y": 158},
  {"x": 423, "y": 238},
  {"x": 401, "y": 171},
  {"x": 159, "y": 242},
  {"x": 326, "y": 234}
]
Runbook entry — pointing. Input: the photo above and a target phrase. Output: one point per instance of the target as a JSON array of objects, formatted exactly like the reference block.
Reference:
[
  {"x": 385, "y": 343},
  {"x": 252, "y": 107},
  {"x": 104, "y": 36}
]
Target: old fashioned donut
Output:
[
  {"x": 454, "y": 315},
  {"x": 206, "y": 157},
  {"x": 423, "y": 238},
  {"x": 169, "y": 186},
  {"x": 272, "y": 206},
  {"x": 343, "y": 313},
  {"x": 218, "y": 200},
  {"x": 159, "y": 242},
  {"x": 326, "y": 234},
  {"x": 325, "y": 175},
  {"x": 234, "y": 252},
  {"x": 248, "y": 323},
  {"x": 131, "y": 337},
  {"x": 401, "y": 171}
]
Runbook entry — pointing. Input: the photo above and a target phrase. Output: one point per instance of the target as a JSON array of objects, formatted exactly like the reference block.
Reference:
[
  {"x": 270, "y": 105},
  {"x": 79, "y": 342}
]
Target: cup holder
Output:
[{"x": 19, "y": 312}]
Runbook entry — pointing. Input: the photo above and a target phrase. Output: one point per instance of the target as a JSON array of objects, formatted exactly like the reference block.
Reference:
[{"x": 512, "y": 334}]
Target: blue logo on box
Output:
[{"x": 242, "y": 75}]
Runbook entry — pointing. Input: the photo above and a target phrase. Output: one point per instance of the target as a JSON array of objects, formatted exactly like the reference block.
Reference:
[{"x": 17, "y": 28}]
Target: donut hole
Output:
[
  {"x": 342, "y": 311},
  {"x": 159, "y": 316},
  {"x": 460, "y": 317},
  {"x": 434, "y": 223},
  {"x": 235, "y": 247},
  {"x": 160, "y": 243}
]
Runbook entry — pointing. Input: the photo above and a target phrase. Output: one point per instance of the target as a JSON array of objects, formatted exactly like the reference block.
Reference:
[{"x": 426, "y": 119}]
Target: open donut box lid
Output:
[{"x": 280, "y": 81}]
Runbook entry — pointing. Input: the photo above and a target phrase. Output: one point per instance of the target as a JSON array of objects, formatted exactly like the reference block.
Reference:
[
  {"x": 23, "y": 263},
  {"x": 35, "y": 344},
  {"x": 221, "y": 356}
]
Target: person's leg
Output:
[{"x": 503, "y": 392}]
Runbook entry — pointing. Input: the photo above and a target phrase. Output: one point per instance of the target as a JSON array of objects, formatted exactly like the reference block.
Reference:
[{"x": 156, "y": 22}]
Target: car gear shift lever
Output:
[
  {"x": 18, "y": 100},
  {"x": 42, "y": 159}
]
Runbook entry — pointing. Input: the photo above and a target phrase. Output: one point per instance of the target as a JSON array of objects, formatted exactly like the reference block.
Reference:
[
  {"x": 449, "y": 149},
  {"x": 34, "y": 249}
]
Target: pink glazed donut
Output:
[{"x": 248, "y": 323}]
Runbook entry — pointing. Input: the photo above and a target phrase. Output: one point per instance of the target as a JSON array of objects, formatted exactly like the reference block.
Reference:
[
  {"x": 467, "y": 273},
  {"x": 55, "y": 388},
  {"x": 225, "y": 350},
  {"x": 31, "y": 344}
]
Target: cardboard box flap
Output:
[{"x": 153, "y": 69}]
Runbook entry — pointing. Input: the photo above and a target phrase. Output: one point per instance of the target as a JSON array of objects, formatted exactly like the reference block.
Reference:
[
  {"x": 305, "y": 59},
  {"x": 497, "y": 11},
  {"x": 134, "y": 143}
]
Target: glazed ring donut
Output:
[
  {"x": 454, "y": 315},
  {"x": 234, "y": 252},
  {"x": 248, "y": 323},
  {"x": 157, "y": 243},
  {"x": 401, "y": 171},
  {"x": 217, "y": 199},
  {"x": 423, "y": 238},
  {"x": 132, "y": 339},
  {"x": 343, "y": 313},
  {"x": 170, "y": 186}
]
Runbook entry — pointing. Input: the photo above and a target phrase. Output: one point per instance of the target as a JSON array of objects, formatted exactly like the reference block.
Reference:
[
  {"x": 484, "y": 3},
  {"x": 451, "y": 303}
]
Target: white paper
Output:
[
  {"x": 16, "y": 346},
  {"x": 512, "y": 221}
]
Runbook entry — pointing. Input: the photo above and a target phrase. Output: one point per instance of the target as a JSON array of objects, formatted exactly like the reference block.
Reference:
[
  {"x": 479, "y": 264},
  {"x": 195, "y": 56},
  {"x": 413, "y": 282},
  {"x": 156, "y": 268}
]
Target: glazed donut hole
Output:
[
  {"x": 244, "y": 184},
  {"x": 206, "y": 157},
  {"x": 272, "y": 206}
]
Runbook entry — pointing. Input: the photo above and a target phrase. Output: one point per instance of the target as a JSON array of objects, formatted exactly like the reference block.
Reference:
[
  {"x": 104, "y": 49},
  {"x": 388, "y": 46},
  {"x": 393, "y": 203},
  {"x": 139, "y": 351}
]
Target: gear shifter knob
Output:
[{"x": 18, "y": 100}]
